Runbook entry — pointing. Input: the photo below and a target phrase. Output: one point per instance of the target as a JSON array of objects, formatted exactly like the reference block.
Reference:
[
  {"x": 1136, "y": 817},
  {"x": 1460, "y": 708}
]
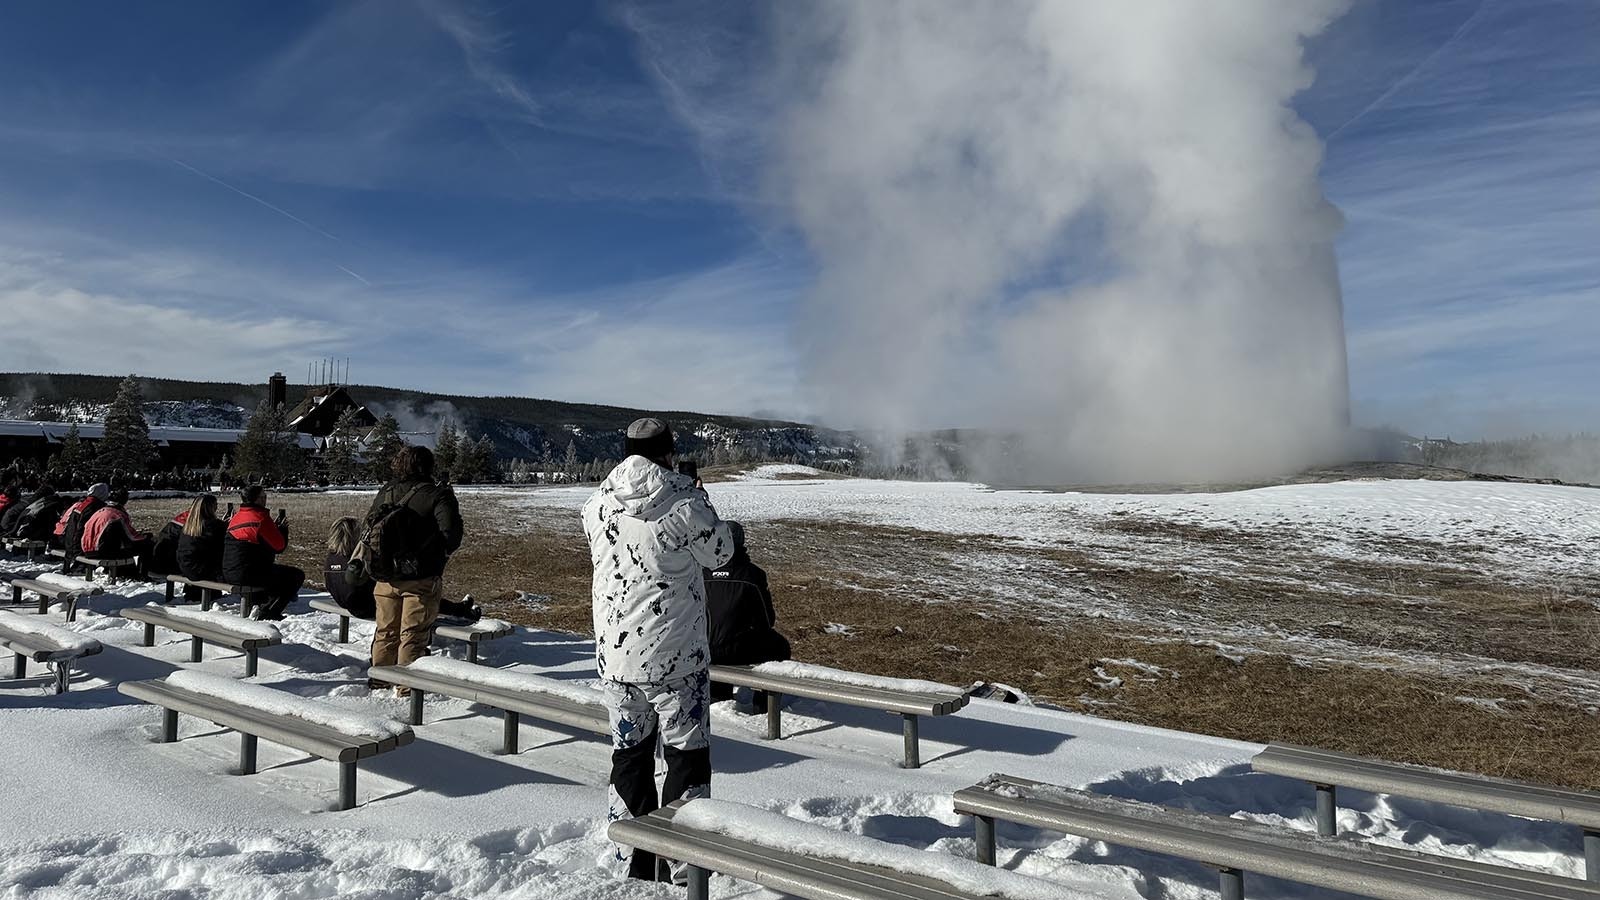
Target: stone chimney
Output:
[{"x": 278, "y": 390}]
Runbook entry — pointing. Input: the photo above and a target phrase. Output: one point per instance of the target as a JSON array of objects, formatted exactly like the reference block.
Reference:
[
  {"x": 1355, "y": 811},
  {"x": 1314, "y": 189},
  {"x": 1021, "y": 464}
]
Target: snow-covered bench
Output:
[
  {"x": 908, "y": 698},
  {"x": 52, "y": 588},
  {"x": 206, "y": 628},
  {"x": 801, "y": 859},
  {"x": 31, "y": 549},
  {"x": 1325, "y": 770},
  {"x": 113, "y": 566},
  {"x": 472, "y": 633},
  {"x": 1235, "y": 846},
  {"x": 213, "y": 591},
  {"x": 257, "y": 711},
  {"x": 29, "y": 638},
  {"x": 514, "y": 693}
]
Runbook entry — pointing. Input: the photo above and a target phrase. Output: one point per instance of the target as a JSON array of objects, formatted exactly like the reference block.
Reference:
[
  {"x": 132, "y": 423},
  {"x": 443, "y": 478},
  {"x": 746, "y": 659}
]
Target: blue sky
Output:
[{"x": 563, "y": 200}]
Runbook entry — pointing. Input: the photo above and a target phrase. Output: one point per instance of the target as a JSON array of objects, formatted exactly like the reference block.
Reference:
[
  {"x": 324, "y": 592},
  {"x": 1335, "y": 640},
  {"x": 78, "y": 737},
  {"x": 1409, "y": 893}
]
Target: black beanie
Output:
[{"x": 650, "y": 438}]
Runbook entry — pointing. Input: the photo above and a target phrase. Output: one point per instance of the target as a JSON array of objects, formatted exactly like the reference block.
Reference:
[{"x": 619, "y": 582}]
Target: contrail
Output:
[
  {"x": 354, "y": 275},
  {"x": 1409, "y": 76},
  {"x": 249, "y": 196}
]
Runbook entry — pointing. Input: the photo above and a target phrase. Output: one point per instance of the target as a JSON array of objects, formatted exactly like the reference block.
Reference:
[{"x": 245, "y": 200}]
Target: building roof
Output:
[{"x": 160, "y": 435}]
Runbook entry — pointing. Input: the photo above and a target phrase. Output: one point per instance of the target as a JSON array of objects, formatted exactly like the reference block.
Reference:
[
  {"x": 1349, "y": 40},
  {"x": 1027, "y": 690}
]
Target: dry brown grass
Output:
[{"x": 907, "y": 622}]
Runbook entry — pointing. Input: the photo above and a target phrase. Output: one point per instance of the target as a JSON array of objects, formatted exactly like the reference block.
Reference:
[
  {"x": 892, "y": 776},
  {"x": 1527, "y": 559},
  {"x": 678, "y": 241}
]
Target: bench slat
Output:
[
  {"x": 318, "y": 740},
  {"x": 1393, "y": 874},
  {"x": 806, "y": 877},
  {"x": 919, "y": 704},
  {"x": 542, "y": 706},
  {"x": 1453, "y": 788}
]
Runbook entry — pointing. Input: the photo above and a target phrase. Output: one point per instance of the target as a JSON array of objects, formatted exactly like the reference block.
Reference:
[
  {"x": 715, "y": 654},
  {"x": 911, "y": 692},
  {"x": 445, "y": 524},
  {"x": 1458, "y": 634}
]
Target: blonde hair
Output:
[
  {"x": 201, "y": 511},
  {"x": 342, "y": 540}
]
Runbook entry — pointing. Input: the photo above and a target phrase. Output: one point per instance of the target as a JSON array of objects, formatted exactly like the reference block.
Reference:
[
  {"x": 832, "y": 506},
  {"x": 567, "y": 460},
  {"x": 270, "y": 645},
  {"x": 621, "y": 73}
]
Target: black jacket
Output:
[
  {"x": 439, "y": 522},
  {"x": 200, "y": 557},
  {"x": 164, "y": 553},
  {"x": 37, "y": 521},
  {"x": 358, "y": 600},
  {"x": 738, "y": 606}
]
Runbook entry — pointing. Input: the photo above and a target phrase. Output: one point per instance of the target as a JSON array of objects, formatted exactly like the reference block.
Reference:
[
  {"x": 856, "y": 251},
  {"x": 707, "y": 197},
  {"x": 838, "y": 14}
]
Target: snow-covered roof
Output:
[{"x": 161, "y": 435}]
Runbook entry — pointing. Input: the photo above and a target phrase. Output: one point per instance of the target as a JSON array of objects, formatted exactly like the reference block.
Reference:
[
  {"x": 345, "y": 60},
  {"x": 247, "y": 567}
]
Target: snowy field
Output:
[{"x": 98, "y": 810}]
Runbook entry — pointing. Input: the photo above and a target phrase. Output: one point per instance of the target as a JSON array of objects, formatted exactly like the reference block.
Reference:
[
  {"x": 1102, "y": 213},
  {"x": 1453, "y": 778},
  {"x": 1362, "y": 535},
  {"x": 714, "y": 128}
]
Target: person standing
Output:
[
  {"x": 428, "y": 520},
  {"x": 650, "y": 532},
  {"x": 250, "y": 548}
]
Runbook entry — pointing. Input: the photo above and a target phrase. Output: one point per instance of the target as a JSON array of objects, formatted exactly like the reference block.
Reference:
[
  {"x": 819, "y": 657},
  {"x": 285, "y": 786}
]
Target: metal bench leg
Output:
[
  {"x": 170, "y": 586},
  {"x": 1327, "y": 810},
  {"x": 983, "y": 830},
  {"x": 44, "y": 604},
  {"x": 509, "y": 745},
  {"x": 63, "y": 672},
  {"x": 72, "y": 608},
  {"x": 169, "y": 726},
  {"x": 472, "y": 651},
  {"x": 16, "y": 595},
  {"x": 207, "y": 597},
  {"x": 913, "y": 758},
  {"x": 1232, "y": 884},
  {"x": 196, "y": 649},
  {"x": 246, "y": 601},
  {"x": 251, "y": 659},
  {"x": 247, "y": 754},
  {"x": 699, "y": 883},
  {"x": 344, "y": 629},
  {"x": 19, "y": 666},
  {"x": 149, "y": 634},
  {"x": 1591, "y": 854},
  {"x": 347, "y": 785},
  {"x": 774, "y": 716},
  {"x": 416, "y": 707}
]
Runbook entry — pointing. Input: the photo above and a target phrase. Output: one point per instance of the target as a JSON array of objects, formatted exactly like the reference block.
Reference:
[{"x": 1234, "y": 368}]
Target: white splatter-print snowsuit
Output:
[{"x": 650, "y": 533}]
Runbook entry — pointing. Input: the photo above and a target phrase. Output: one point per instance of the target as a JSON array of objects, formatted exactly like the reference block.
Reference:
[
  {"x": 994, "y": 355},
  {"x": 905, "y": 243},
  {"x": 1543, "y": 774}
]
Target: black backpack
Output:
[{"x": 388, "y": 549}]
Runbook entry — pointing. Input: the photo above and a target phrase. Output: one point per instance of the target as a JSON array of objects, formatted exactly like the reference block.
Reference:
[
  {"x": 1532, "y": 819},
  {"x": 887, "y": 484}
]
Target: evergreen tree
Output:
[
  {"x": 343, "y": 466},
  {"x": 259, "y": 452},
  {"x": 488, "y": 464},
  {"x": 572, "y": 460},
  {"x": 382, "y": 445},
  {"x": 447, "y": 449},
  {"x": 74, "y": 456},
  {"x": 126, "y": 445}
]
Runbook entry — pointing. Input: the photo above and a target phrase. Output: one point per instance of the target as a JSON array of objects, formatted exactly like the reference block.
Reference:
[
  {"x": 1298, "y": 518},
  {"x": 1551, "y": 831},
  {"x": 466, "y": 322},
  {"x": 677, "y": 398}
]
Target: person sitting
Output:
[
  {"x": 110, "y": 534},
  {"x": 164, "y": 555},
  {"x": 249, "y": 550},
  {"x": 68, "y": 533},
  {"x": 357, "y": 599},
  {"x": 740, "y": 615},
  {"x": 21, "y": 493},
  {"x": 34, "y": 521},
  {"x": 10, "y": 495},
  {"x": 198, "y": 554}
]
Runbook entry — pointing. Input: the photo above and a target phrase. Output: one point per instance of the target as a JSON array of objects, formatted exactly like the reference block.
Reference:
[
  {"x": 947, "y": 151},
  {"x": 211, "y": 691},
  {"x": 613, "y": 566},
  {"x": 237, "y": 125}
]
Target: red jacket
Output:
[
  {"x": 5, "y": 501},
  {"x": 248, "y": 547},
  {"x": 80, "y": 506},
  {"x": 106, "y": 518}
]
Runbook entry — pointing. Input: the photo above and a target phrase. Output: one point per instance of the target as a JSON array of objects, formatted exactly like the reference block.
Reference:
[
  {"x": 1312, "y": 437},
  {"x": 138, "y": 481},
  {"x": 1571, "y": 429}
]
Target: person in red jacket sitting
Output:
[
  {"x": 68, "y": 534},
  {"x": 109, "y": 533},
  {"x": 249, "y": 548}
]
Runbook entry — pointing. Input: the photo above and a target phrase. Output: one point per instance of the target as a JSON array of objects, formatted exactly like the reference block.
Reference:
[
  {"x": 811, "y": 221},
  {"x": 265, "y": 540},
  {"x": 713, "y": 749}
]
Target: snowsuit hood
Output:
[{"x": 650, "y": 532}]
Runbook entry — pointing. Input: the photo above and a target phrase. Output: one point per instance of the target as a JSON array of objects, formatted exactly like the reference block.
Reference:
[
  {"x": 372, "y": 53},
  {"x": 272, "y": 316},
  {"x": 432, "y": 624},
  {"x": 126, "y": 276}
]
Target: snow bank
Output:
[
  {"x": 791, "y": 669},
  {"x": 778, "y": 832},
  {"x": 508, "y": 680},
  {"x": 35, "y": 625},
  {"x": 281, "y": 703},
  {"x": 486, "y": 626},
  {"x": 245, "y": 628},
  {"x": 771, "y": 471}
]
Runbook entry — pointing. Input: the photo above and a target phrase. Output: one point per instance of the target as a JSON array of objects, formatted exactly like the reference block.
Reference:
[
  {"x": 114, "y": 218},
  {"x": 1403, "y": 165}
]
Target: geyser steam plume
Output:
[{"x": 1096, "y": 224}]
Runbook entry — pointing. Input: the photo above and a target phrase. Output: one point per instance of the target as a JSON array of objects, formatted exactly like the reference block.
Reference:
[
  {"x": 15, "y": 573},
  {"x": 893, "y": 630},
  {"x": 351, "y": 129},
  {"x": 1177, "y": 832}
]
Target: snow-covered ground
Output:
[{"x": 98, "y": 810}]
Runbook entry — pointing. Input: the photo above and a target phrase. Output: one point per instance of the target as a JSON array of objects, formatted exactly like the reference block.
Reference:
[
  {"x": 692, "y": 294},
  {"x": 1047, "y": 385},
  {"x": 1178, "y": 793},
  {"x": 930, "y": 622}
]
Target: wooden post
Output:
[
  {"x": 913, "y": 758},
  {"x": 983, "y": 831},
  {"x": 509, "y": 745},
  {"x": 774, "y": 716},
  {"x": 347, "y": 785}
]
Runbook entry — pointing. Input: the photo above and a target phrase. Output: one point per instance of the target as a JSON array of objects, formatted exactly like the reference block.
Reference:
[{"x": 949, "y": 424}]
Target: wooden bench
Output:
[
  {"x": 472, "y": 634},
  {"x": 29, "y": 638},
  {"x": 206, "y": 628},
  {"x": 1325, "y": 770},
  {"x": 908, "y": 704},
  {"x": 112, "y": 565},
  {"x": 515, "y": 694},
  {"x": 253, "y": 720},
  {"x": 31, "y": 549},
  {"x": 1234, "y": 846},
  {"x": 810, "y": 877},
  {"x": 213, "y": 591},
  {"x": 52, "y": 592}
]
